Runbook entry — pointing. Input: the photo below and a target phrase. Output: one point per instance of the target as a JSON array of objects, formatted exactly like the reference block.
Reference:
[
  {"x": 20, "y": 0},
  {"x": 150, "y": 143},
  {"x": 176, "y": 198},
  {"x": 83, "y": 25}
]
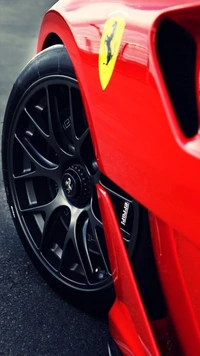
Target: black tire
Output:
[{"x": 51, "y": 62}]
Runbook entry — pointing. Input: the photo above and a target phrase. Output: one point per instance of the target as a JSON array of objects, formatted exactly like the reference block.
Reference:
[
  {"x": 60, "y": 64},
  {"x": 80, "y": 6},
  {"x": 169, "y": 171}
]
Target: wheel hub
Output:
[{"x": 76, "y": 184}]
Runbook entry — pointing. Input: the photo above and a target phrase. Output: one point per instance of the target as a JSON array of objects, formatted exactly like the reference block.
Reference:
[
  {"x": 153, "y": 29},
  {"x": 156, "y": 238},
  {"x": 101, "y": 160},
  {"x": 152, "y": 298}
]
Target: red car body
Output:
[{"x": 140, "y": 146}]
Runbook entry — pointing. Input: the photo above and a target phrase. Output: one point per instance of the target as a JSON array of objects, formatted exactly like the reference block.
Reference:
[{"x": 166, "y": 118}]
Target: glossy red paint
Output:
[
  {"x": 179, "y": 302},
  {"x": 133, "y": 120}
]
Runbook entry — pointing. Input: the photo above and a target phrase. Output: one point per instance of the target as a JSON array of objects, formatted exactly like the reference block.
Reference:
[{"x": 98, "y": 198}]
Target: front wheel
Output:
[{"x": 50, "y": 174}]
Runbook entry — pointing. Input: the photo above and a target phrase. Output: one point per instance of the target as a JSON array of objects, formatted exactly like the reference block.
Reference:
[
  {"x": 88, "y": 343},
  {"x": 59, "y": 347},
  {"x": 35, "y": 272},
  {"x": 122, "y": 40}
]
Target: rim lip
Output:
[{"x": 14, "y": 196}]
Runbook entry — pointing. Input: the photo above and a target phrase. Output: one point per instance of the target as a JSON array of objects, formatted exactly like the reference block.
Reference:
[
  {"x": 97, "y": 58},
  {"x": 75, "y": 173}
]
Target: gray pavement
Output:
[{"x": 34, "y": 321}]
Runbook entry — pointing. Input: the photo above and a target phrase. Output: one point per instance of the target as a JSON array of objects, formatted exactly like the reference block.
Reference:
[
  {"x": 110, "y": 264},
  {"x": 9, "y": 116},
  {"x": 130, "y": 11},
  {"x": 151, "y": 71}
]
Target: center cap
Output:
[
  {"x": 72, "y": 185},
  {"x": 76, "y": 184}
]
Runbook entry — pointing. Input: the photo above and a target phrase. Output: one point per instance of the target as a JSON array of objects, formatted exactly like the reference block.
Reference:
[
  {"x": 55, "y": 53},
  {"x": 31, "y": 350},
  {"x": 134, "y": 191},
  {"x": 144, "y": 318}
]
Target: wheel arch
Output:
[{"x": 56, "y": 30}]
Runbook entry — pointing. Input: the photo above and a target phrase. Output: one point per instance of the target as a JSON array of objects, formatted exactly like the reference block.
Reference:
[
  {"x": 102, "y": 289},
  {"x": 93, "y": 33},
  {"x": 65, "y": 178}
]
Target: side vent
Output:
[
  {"x": 145, "y": 271},
  {"x": 176, "y": 50}
]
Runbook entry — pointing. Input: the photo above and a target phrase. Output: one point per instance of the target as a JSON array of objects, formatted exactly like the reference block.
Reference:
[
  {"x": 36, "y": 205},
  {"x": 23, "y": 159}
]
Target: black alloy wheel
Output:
[{"x": 50, "y": 174}]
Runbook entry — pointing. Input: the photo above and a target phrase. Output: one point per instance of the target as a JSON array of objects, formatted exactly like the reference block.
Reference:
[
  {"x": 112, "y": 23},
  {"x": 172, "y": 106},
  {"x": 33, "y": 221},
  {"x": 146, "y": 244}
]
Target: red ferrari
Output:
[{"x": 101, "y": 164}]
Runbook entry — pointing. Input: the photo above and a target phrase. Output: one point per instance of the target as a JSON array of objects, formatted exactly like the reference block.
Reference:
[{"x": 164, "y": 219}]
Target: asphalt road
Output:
[{"x": 34, "y": 321}]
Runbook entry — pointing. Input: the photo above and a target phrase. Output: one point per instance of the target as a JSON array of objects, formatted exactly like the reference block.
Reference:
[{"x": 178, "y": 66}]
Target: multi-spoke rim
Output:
[{"x": 53, "y": 173}]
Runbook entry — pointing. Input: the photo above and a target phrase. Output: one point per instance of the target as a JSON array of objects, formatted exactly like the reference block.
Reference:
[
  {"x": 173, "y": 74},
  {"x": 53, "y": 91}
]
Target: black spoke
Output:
[
  {"x": 71, "y": 125},
  {"x": 77, "y": 140},
  {"x": 33, "y": 154},
  {"x": 37, "y": 172},
  {"x": 83, "y": 264},
  {"x": 58, "y": 140},
  {"x": 51, "y": 103},
  {"x": 48, "y": 208},
  {"x": 97, "y": 226},
  {"x": 81, "y": 140},
  {"x": 39, "y": 128},
  {"x": 40, "y": 165},
  {"x": 26, "y": 175},
  {"x": 70, "y": 234}
]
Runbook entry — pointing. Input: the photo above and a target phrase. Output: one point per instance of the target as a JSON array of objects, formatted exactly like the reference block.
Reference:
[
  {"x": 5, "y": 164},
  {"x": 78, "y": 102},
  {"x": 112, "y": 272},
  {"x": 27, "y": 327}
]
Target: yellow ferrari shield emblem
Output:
[{"x": 109, "y": 48}]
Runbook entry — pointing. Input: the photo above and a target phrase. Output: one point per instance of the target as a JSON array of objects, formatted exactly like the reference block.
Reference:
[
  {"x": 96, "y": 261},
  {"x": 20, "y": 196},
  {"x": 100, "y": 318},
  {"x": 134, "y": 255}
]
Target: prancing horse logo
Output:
[
  {"x": 109, "y": 48},
  {"x": 69, "y": 186},
  {"x": 108, "y": 41}
]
